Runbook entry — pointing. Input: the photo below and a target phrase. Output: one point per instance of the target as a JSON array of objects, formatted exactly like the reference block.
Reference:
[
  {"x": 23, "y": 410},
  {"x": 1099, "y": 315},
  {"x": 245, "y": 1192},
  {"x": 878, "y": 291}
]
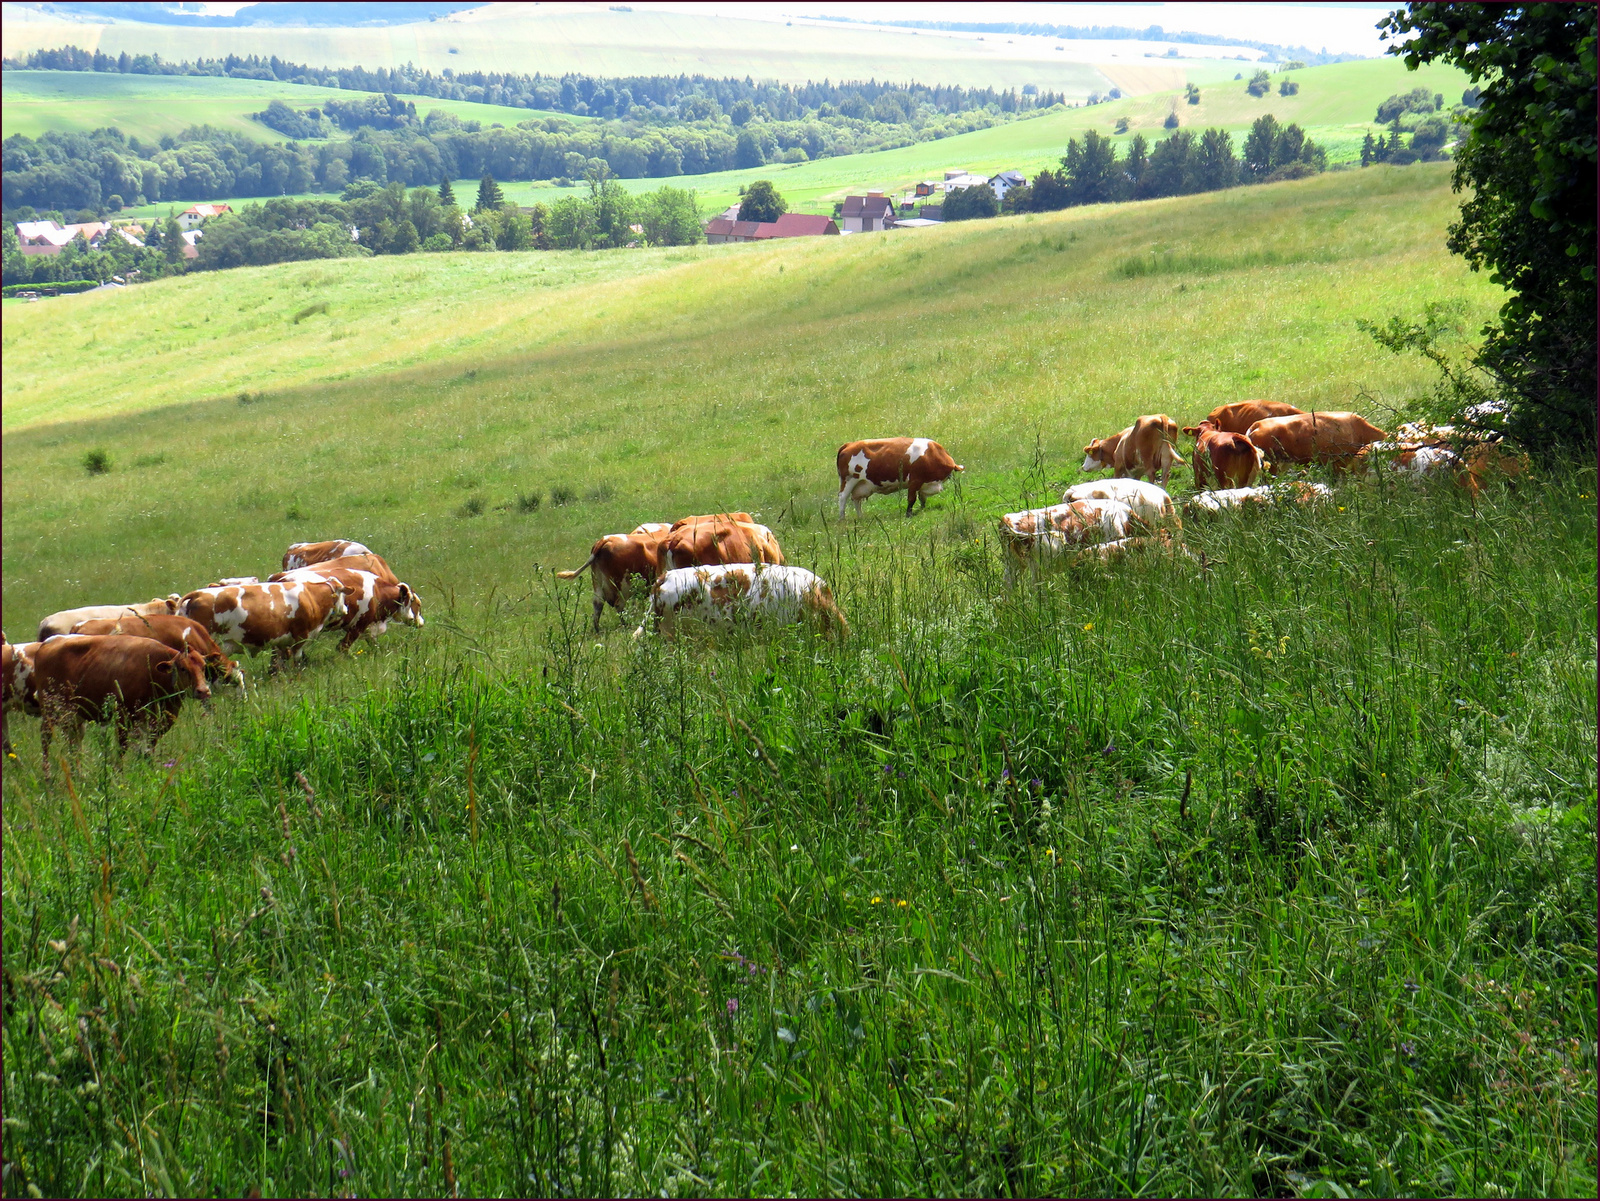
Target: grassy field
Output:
[
  {"x": 151, "y": 106},
  {"x": 1270, "y": 872}
]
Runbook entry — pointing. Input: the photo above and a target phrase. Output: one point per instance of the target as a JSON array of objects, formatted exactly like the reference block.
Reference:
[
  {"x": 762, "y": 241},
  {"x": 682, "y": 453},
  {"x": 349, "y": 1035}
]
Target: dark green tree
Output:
[
  {"x": 1216, "y": 167},
  {"x": 1259, "y": 147},
  {"x": 1049, "y": 191},
  {"x": 1260, "y": 83},
  {"x": 172, "y": 242},
  {"x": 1528, "y": 168},
  {"x": 1133, "y": 166},
  {"x": 447, "y": 194},
  {"x": 1369, "y": 150},
  {"x": 1091, "y": 169},
  {"x": 489, "y": 195},
  {"x": 1171, "y": 171},
  {"x": 966, "y": 204},
  {"x": 761, "y": 202}
]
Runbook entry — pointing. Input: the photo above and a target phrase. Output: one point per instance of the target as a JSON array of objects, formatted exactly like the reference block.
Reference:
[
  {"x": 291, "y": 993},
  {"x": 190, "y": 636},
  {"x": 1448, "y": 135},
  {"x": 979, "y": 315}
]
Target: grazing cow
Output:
[
  {"x": 1235, "y": 459},
  {"x": 367, "y": 562},
  {"x": 180, "y": 633},
  {"x": 284, "y": 616},
  {"x": 229, "y": 581},
  {"x": 1241, "y": 415},
  {"x": 1036, "y": 535},
  {"x": 62, "y": 622},
  {"x": 79, "y": 678},
  {"x": 16, "y": 684},
  {"x": 890, "y": 464},
  {"x": 728, "y": 592},
  {"x": 1151, "y": 445},
  {"x": 1101, "y": 454},
  {"x": 652, "y": 527},
  {"x": 1149, "y": 502},
  {"x": 1107, "y": 551},
  {"x": 699, "y": 517},
  {"x": 1331, "y": 437},
  {"x": 304, "y": 554},
  {"x": 707, "y": 541},
  {"x": 370, "y": 601},
  {"x": 1263, "y": 494},
  {"x": 616, "y": 559}
]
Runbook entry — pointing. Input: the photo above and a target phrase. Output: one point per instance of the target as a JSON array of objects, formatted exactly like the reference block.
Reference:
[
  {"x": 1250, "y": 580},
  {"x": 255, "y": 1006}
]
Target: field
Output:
[
  {"x": 1267, "y": 872},
  {"x": 152, "y": 106}
]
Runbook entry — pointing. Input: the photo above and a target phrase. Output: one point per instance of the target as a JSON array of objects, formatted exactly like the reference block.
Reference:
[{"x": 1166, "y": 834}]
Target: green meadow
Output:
[{"x": 1262, "y": 869}]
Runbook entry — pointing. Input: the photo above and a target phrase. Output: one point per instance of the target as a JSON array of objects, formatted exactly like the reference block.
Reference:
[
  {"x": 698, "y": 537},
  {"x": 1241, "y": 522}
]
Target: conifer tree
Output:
[
  {"x": 489, "y": 195},
  {"x": 447, "y": 195}
]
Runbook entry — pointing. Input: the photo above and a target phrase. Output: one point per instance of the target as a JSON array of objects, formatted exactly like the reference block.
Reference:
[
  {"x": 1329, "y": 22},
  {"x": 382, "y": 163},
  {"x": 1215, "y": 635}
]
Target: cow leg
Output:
[
  {"x": 350, "y": 637},
  {"x": 912, "y": 493},
  {"x": 847, "y": 494}
]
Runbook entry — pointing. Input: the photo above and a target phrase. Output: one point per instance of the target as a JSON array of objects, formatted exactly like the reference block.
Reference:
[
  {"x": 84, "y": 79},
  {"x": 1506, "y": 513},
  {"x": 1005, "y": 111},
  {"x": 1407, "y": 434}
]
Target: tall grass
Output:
[{"x": 1268, "y": 871}]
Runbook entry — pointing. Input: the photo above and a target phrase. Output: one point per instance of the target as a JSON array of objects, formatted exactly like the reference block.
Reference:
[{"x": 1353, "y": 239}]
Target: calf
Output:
[
  {"x": 80, "y": 678},
  {"x": 304, "y": 554},
  {"x": 283, "y": 616},
  {"x": 1036, "y": 535},
  {"x": 370, "y": 602},
  {"x": 616, "y": 559},
  {"x": 62, "y": 622},
  {"x": 731, "y": 592},
  {"x": 1263, "y": 494},
  {"x": 1149, "y": 502},
  {"x": 1150, "y": 445},
  {"x": 708, "y": 541},
  {"x": 1238, "y": 417},
  {"x": 1331, "y": 437},
  {"x": 1101, "y": 454},
  {"x": 917, "y": 465},
  {"x": 1236, "y": 460},
  {"x": 180, "y": 633}
]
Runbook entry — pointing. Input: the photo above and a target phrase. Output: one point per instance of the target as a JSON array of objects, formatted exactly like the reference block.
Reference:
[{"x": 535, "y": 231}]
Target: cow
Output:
[
  {"x": 180, "y": 633},
  {"x": 1150, "y": 502},
  {"x": 80, "y": 677},
  {"x": 304, "y": 554},
  {"x": 726, "y": 593},
  {"x": 1262, "y": 494},
  {"x": 1035, "y": 535},
  {"x": 1238, "y": 417},
  {"x": 16, "y": 684},
  {"x": 889, "y": 464},
  {"x": 62, "y": 622},
  {"x": 1236, "y": 460},
  {"x": 708, "y": 541},
  {"x": 699, "y": 517},
  {"x": 1149, "y": 446},
  {"x": 616, "y": 559},
  {"x": 1329, "y": 437},
  {"x": 652, "y": 527},
  {"x": 1101, "y": 453},
  {"x": 283, "y": 616},
  {"x": 1107, "y": 551},
  {"x": 228, "y": 581},
  {"x": 370, "y": 602},
  {"x": 367, "y": 562}
]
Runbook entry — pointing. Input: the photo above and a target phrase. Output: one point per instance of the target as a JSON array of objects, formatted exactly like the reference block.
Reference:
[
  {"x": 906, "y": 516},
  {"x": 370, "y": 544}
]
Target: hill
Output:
[{"x": 151, "y": 106}]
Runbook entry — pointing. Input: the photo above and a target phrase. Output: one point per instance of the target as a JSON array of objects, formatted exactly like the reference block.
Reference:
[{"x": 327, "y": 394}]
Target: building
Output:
[
  {"x": 863, "y": 214},
  {"x": 790, "y": 225},
  {"x": 1005, "y": 181},
  {"x": 926, "y": 188},
  {"x": 46, "y": 237},
  {"x": 190, "y": 237},
  {"x": 192, "y": 216}
]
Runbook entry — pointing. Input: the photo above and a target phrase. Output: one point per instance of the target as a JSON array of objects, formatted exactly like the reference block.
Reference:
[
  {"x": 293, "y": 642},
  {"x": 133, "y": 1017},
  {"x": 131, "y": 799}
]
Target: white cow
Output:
[
  {"x": 729, "y": 592},
  {"x": 1150, "y": 502}
]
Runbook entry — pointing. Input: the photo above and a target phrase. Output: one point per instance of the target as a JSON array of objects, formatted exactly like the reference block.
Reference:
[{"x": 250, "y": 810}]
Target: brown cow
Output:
[
  {"x": 367, "y": 562},
  {"x": 1149, "y": 446},
  {"x": 1331, "y": 437},
  {"x": 1236, "y": 460},
  {"x": 304, "y": 554},
  {"x": 62, "y": 622},
  {"x": 79, "y": 677},
  {"x": 1241, "y": 415},
  {"x": 888, "y": 465},
  {"x": 709, "y": 542},
  {"x": 616, "y": 559},
  {"x": 180, "y": 633},
  {"x": 16, "y": 684},
  {"x": 1101, "y": 453},
  {"x": 697, "y": 519},
  {"x": 370, "y": 602},
  {"x": 284, "y": 616}
]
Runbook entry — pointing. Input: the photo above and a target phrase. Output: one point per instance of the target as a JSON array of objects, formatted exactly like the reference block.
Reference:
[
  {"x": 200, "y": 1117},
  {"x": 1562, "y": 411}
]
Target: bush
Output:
[
  {"x": 562, "y": 495},
  {"x": 1122, "y": 125},
  {"x": 1171, "y": 122},
  {"x": 61, "y": 289},
  {"x": 965, "y": 204},
  {"x": 1288, "y": 87},
  {"x": 1260, "y": 84},
  {"x": 471, "y": 507},
  {"x": 96, "y": 461},
  {"x": 438, "y": 241},
  {"x": 528, "y": 502}
]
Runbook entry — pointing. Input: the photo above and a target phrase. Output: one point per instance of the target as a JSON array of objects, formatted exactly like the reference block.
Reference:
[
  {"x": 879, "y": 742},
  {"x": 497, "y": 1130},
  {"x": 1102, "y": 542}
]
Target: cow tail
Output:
[{"x": 572, "y": 575}]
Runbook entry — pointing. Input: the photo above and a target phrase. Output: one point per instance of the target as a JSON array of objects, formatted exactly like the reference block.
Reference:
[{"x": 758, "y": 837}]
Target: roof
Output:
[
  {"x": 867, "y": 206},
  {"x": 790, "y": 225},
  {"x": 916, "y": 223},
  {"x": 207, "y": 210},
  {"x": 1015, "y": 178},
  {"x": 32, "y": 229}
]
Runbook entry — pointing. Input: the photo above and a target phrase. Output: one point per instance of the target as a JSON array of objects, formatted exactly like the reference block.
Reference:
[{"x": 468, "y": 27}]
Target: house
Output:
[
  {"x": 190, "y": 237},
  {"x": 46, "y": 237},
  {"x": 931, "y": 212},
  {"x": 790, "y": 225},
  {"x": 954, "y": 180},
  {"x": 1005, "y": 181},
  {"x": 926, "y": 188},
  {"x": 863, "y": 214},
  {"x": 196, "y": 213},
  {"x": 130, "y": 235}
]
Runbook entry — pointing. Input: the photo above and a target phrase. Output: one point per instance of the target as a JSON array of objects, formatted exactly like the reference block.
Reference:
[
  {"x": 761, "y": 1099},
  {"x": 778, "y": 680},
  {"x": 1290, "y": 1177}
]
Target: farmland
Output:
[{"x": 1272, "y": 875}]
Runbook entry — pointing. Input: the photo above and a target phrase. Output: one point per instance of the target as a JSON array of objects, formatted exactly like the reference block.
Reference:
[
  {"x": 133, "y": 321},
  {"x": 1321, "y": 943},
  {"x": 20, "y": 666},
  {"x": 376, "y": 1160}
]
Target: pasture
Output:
[{"x": 1267, "y": 872}]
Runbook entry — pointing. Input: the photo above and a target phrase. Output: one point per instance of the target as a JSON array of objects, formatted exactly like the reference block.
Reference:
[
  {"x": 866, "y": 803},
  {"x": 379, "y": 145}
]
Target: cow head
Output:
[
  {"x": 1097, "y": 456},
  {"x": 410, "y": 606},
  {"x": 184, "y": 672}
]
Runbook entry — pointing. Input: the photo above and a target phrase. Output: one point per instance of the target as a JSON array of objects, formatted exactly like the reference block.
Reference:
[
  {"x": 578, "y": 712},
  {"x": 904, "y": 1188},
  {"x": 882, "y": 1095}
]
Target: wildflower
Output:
[
  {"x": 11, "y": 754},
  {"x": 1341, "y": 508},
  {"x": 1109, "y": 748},
  {"x": 902, "y": 904},
  {"x": 877, "y": 900},
  {"x": 1408, "y": 1048},
  {"x": 1088, "y": 627},
  {"x": 168, "y": 763},
  {"x": 733, "y": 1006},
  {"x": 794, "y": 846},
  {"x": 1005, "y": 773},
  {"x": 1050, "y": 851},
  {"x": 1036, "y": 786}
]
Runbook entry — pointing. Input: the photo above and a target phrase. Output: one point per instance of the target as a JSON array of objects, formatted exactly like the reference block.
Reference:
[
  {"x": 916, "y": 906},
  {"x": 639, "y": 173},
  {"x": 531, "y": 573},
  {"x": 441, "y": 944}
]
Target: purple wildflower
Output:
[
  {"x": 1036, "y": 786},
  {"x": 170, "y": 763},
  {"x": 733, "y": 1006}
]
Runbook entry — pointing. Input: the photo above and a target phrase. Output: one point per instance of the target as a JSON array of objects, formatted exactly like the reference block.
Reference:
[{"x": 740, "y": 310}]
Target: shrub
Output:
[
  {"x": 1288, "y": 87},
  {"x": 1260, "y": 84},
  {"x": 97, "y": 461},
  {"x": 1171, "y": 122},
  {"x": 1122, "y": 125},
  {"x": 528, "y": 502},
  {"x": 471, "y": 507},
  {"x": 311, "y": 310},
  {"x": 562, "y": 495}
]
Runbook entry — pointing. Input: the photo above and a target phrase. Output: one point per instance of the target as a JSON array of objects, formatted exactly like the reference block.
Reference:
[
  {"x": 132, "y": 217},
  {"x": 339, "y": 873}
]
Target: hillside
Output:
[
  {"x": 577, "y": 370},
  {"x": 151, "y": 106}
]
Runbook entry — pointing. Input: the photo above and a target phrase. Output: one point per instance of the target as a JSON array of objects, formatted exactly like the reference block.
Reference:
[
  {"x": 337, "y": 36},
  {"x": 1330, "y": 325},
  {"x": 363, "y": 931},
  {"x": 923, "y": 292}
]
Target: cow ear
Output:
[
  {"x": 164, "y": 668},
  {"x": 405, "y": 593}
]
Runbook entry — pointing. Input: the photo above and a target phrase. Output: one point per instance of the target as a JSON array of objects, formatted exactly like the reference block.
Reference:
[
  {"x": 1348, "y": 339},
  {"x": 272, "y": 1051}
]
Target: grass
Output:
[
  {"x": 1301, "y": 902},
  {"x": 150, "y": 107}
]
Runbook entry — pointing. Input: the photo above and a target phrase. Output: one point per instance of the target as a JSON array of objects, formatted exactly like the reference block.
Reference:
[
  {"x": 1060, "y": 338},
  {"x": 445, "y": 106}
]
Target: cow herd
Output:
[{"x": 135, "y": 664}]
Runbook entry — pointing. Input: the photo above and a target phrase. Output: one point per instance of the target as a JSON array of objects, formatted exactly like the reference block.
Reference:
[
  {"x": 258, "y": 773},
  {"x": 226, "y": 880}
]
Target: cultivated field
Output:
[{"x": 1270, "y": 871}]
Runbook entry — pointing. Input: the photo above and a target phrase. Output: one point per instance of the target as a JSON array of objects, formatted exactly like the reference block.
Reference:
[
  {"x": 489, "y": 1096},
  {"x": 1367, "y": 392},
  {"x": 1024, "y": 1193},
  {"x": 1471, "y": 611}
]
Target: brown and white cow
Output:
[
  {"x": 62, "y": 622},
  {"x": 370, "y": 602},
  {"x": 1035, "y": 536},
  {"x": 1101, "y": 453},
  {"x": 1150, "y": 502},
  {"x": 1236, "y": 460},
  {"x": 282, "y": 616},
  {"x": 616, "y": 559},
  {"x": 1329, "y": 437},
  {"x": 1238, "y": 417},
  {"x": 80, "y": 677},
  {"x": 366, "y": 562},
  {"x": 1149, "y": 446},
  {"x": 16, "y": 684},
  {"x": 304, "y": 554},
  {"x": 169, "y": 629},
  {"x": 1298, "y": 491},
  {"x": 726, "y": 593},
  {"x": 917, "y": 465},
  {"x": 705, "y": 541}
]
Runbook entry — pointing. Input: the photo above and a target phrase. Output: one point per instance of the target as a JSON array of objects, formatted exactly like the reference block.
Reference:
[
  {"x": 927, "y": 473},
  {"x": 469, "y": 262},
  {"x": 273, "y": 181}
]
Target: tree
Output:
[
  {"x": 489, "y": 195},
  {"x": 1091, "y": 169},
  {"x": 670, "y": 217},
  {"x": 761, "y": 202},
  {"x": 612, "y": 207},
  {"x": 1049, "y": 191},
  {"x": 1192, "y": 93},
  {"x": 1215, "y": 165},
  {"x": 1528, "y": 166},
  {"x": 1259, "y": 147},
  {"x": 1133, "y": 166},
  {"x": 1260, "y": 84},
  {"x": 1172, "y": 120},
  {"x": 1369, "y": 150},
  {"x": 1171, "y": 171},
  {"x": 966, "y": 204},
  {"x": 447, "y": 194},
  {"x": 1288, "y": 87},
  {"x": 747, "y": 151},
  {"x": 172, "y": 242}
]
